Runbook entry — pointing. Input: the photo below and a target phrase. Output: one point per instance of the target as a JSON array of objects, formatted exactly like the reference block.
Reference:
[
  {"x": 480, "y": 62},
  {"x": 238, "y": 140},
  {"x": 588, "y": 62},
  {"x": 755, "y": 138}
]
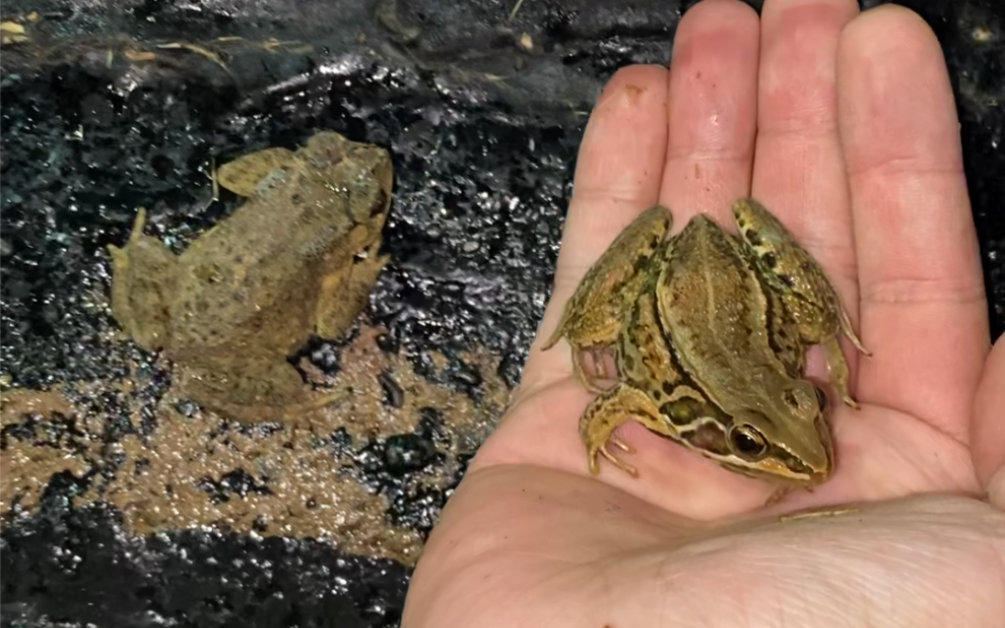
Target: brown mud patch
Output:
[{"x": 165, "y": 470}]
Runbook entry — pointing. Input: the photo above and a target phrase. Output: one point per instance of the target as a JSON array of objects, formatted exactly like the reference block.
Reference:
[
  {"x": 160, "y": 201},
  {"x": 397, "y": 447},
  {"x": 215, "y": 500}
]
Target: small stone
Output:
[
  {"x": 394, "y": 396},
  {"x": 407, "y": 452}
]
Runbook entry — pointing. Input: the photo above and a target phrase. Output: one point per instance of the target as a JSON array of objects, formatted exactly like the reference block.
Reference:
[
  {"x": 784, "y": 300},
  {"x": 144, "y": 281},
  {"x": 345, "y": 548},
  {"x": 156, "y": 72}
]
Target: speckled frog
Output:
[
  {"x": 298, "y": 258},
  {"x": 710, "y": 331}
]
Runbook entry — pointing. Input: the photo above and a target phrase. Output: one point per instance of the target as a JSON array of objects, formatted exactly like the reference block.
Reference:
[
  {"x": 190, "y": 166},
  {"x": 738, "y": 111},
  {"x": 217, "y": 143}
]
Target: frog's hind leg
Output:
[
  {"x": 257, "y": 387},
  {"x": 608, "y": 412},
  {"x": 794, "y": 274},
  {"x": 802, "y": 285},
  {"x": 143, "y": 280},
  {"x": 592, "y": 317}
]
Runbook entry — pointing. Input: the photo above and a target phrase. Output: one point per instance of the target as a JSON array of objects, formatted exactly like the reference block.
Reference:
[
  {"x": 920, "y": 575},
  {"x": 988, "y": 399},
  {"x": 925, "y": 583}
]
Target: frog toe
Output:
[
  {"x": 849, "y": 332},
  {"x": 616, "y": 461},
  {"x": 620, "y": 444}
]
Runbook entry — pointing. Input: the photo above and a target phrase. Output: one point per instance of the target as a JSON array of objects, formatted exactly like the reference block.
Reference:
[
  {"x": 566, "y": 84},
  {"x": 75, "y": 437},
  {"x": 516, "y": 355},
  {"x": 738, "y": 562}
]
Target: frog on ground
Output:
[{"x": 297, "y": 259}]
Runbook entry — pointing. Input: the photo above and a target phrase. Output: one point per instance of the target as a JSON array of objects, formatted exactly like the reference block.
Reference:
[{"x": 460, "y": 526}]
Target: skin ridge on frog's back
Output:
[
  {"x": 701, "y": 289},
  {"x": 658, "y": 370},
  {"x": 737, "y": 364}
]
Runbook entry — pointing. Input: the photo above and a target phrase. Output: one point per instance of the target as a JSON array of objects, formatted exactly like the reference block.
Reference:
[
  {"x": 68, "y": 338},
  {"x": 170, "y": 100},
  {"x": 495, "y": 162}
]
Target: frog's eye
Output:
[
  {"x": 821, "y": 397},
  {"x": 747, "y": 442}
]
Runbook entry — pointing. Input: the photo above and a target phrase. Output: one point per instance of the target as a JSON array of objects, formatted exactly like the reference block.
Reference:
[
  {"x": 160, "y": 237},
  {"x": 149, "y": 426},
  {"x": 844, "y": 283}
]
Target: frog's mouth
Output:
[
  {"x": 777, "y": 464},
  {"x": 793, "y": 473}
]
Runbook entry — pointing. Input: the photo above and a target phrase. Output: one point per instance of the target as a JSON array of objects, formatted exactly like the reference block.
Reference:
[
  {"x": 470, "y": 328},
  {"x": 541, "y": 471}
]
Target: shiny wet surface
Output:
[{"x": 103, "y": 112}]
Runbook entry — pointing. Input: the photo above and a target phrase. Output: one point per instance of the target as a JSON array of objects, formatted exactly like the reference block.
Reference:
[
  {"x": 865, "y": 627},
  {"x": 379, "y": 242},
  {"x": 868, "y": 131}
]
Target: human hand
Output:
[{"x": 845, "y": 128}]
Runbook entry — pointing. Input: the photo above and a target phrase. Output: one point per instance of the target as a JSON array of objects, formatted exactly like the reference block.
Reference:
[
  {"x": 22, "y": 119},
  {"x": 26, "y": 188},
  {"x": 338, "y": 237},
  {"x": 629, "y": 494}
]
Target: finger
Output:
[
  {"x": 712, "y": 110},
  {"x": 617, "y": 177},
  {"x": 923, "y": 308},
  {"x": 989, "y": 425},
  {"x": 798, "y": 167}
]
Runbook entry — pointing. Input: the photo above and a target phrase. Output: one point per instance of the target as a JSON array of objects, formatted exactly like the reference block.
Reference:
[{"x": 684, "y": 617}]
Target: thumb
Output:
[{"x": 988, "y": 436}]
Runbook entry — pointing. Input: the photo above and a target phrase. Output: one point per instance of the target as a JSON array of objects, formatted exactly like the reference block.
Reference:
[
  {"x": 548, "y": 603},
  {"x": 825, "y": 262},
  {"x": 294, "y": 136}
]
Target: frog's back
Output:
[
  {"x": 260, "y": 271},
  {"x": 713, "y": 305}
]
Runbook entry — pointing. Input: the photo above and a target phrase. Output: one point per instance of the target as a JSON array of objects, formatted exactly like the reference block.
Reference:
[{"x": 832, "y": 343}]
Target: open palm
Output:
[{"x": 844, "y": 126}]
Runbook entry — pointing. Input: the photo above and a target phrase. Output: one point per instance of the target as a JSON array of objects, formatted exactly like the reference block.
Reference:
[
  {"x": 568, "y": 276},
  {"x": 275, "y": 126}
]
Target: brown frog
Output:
[
  {"x": 298, "y": 258},
  {"x": 710, "y": 332}
]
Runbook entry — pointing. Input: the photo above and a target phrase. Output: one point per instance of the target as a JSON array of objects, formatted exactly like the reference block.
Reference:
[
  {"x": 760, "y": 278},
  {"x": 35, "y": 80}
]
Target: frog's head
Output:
[{"x": 790, "y": 443}]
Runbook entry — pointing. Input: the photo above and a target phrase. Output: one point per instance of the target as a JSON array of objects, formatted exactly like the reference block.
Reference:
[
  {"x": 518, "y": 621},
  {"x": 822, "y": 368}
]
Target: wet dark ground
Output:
[{"x": 483, "y": 116}]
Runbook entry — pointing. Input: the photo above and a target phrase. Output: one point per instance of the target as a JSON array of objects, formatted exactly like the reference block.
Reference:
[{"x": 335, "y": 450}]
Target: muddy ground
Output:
[{"x": 127, "y": 505}]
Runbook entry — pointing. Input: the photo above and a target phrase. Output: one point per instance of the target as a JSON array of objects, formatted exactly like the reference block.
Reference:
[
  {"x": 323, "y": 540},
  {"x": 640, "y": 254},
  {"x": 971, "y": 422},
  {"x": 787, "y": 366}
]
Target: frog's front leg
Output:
[
  {"x": 802, "y": 285},
  {"x": 143, "y": 277},
  {"x": 345, "y": 291},
  {"x": 592, "y": 318},
  {"x": 609, "y": 411}
]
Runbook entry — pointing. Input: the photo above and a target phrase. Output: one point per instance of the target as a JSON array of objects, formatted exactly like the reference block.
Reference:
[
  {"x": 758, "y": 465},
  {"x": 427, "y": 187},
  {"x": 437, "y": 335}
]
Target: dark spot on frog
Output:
[
  {"x": 769, "y": 260},
  {"x": 787, "y": 280},
  {"x": 790, "y": 398},
  {"x": 640, "y": 264},
  {"x": 680, "y": 412},
  {"x": 296, "y": 199},
  {"x": 668, "y": 388},
  {"x": 198, "y": 305},
  {"x": 753, "y": 237}
]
